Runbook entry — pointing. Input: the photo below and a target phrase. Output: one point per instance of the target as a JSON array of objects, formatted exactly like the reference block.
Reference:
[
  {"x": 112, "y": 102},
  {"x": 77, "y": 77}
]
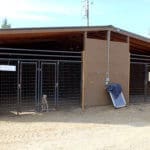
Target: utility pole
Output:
[
  {"x": 87, "y": 12},
  {"x": 86, "y": 7}
]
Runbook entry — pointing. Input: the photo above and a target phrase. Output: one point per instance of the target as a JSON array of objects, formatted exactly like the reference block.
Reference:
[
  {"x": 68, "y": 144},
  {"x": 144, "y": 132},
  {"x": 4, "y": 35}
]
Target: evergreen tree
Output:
[{"x": 5, "y": 24}]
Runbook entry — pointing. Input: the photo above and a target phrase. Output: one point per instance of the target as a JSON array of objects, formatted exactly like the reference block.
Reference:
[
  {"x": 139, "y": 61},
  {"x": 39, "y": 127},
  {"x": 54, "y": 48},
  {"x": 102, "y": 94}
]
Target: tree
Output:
[{"x": 5, "y": 24}]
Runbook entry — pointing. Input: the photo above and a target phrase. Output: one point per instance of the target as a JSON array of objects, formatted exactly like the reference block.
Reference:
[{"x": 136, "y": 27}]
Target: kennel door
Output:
[
  {"x": 148, "y": 83},
  {"x": 28, "y": 85},
  {"x": 48, "y": 82}
]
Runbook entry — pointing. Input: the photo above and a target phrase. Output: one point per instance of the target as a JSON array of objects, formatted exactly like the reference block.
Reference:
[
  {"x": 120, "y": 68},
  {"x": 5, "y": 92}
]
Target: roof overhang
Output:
[{"x": 136, "y": 41}]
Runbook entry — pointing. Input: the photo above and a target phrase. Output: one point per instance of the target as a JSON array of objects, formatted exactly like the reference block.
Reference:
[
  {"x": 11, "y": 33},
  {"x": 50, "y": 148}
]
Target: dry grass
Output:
[{"x": 100, "y": 128}]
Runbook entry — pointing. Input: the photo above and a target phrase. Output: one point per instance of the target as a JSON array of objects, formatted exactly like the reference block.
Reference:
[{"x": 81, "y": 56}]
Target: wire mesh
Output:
[
  {"x": 28, "y": 85},
  {"x": 8, "y": 87},
  {"x": 48, "y": 83},
  {"x": 69, "y": 84},
  {"x": 22, "y": 89}
]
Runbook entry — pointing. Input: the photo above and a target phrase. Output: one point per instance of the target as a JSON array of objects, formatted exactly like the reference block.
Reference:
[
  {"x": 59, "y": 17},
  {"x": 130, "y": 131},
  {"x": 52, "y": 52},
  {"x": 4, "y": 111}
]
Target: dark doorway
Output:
[
  {"x": 137, "y": 82},
  {"x": 140, "y": 78},
  {"x": 147, "y": 81}
]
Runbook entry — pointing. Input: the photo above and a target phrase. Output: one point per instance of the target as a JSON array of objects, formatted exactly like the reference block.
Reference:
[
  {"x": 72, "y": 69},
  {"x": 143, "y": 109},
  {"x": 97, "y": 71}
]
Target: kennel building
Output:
[{"x": 71, "y": 65}]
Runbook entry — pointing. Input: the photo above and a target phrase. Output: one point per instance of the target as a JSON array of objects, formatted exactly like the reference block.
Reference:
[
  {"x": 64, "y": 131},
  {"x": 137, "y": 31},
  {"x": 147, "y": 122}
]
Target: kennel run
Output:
[
  {"x": 70, "y": 65},
  {"x": 54, "y": 71},
  {"x": 23, "y": 87}
]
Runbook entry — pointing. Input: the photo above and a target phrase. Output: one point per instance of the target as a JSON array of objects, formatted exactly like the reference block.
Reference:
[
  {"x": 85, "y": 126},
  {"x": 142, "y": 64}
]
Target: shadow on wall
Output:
[{"x": 133, "y": 115}]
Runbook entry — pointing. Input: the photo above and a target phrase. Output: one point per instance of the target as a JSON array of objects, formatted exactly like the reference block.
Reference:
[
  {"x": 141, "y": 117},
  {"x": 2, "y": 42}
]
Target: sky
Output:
[{"x": 130, "y": 15}]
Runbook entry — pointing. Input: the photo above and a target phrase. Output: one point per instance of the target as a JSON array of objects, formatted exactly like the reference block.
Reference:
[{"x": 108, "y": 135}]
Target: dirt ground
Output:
[{"x": 98, "y": 128}]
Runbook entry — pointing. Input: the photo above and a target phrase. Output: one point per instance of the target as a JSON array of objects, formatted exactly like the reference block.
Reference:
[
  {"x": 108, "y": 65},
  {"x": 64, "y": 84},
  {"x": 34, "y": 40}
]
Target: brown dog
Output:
[{"x": 44, "y": 103}]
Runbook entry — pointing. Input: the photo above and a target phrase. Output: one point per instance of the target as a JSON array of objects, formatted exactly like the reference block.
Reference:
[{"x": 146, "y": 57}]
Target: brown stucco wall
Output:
[{"x": 95, "y": 65}]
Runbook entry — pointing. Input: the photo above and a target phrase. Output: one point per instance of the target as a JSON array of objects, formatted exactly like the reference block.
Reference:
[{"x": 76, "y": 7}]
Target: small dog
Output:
[{"x": 44, "y": 103}]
